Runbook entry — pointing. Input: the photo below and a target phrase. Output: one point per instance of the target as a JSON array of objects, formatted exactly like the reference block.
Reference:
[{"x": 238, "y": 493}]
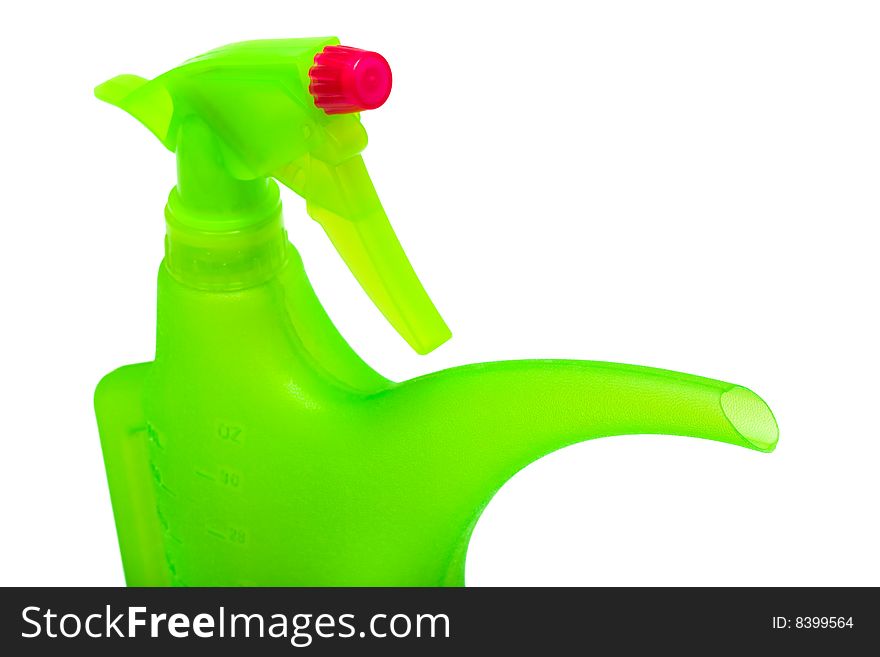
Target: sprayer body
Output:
[{"x": 258, "y": 449}]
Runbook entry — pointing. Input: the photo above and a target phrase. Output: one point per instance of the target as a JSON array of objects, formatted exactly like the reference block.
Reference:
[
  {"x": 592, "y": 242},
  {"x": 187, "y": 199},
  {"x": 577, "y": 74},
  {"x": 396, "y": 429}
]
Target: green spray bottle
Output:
[{"x": 258, "y": 448}]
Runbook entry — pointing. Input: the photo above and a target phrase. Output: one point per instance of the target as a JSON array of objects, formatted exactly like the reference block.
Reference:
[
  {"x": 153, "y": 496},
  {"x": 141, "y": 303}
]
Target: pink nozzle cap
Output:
[{"x": 346, "y": 80}]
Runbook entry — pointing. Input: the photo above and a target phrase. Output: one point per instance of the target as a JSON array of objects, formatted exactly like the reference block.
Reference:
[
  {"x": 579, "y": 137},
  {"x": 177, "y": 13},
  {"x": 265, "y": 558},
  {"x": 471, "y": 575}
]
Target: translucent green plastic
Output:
[{"x": 258, "y": 448}]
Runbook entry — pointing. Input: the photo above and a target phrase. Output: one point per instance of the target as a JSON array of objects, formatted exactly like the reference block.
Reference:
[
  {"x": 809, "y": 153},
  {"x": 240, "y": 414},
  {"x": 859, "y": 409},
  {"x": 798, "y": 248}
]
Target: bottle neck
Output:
[{"x": 207, "y": 254}]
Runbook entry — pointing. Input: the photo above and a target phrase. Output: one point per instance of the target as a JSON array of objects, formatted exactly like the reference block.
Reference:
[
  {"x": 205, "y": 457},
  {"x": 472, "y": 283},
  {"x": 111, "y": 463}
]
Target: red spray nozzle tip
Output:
[{"x": 346, "y": 80}]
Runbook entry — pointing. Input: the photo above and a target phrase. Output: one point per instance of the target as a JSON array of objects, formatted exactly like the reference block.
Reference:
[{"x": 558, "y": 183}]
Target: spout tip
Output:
[{"x": 751, "y": 418}]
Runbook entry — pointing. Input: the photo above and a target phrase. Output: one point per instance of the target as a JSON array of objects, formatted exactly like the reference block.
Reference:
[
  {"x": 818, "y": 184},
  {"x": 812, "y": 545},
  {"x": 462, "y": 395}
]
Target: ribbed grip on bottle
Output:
[{"x": 344, "y": 80}]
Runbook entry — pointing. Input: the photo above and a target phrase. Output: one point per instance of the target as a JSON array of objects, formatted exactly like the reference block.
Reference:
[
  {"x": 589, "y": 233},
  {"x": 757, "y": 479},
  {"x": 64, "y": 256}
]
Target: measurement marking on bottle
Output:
[
  {"x": 162, "y": 521},
  {"x": 205, "y": 475},
  {"x": 153, "y": 436},
  {"x": 231, "y": 534},
  {"x": 172, "y": 568},
  {"x": 230, "y": 433},
  {"x": 230, "y": 479},
  {"x": 157, "y": 477}
]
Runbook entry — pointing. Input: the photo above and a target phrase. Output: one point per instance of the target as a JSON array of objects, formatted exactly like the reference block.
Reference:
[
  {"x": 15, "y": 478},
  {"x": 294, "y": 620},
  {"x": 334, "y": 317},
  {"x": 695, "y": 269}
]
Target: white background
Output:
[{"x": 689, "y": 185}]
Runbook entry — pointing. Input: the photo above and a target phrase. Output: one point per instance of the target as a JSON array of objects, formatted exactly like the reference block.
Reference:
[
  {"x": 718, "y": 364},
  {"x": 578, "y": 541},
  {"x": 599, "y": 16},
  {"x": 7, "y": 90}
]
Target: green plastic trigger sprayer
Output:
[{"x": 258, "y": 448}]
